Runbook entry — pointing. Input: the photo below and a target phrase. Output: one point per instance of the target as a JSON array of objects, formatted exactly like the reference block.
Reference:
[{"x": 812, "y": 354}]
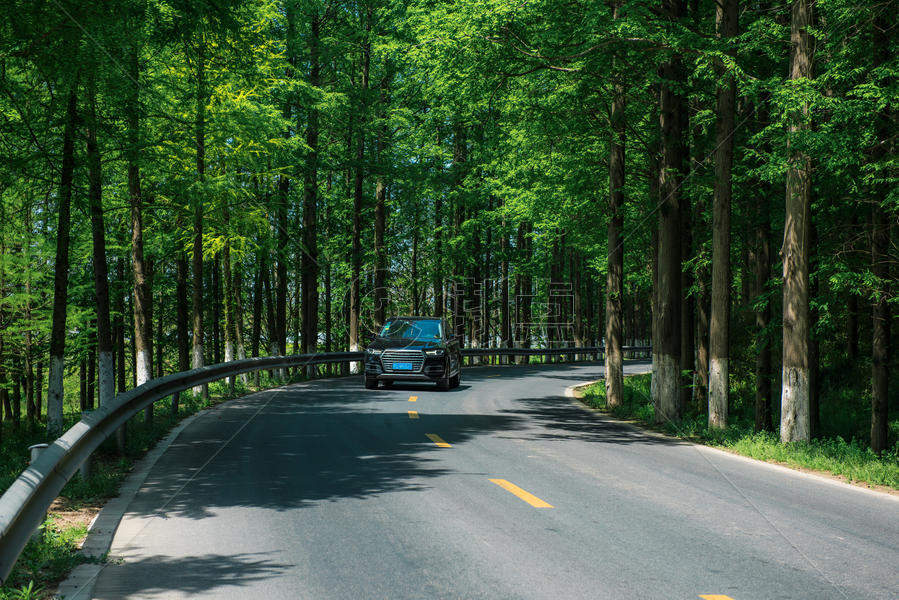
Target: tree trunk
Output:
[
  {"x": 310, "y": 265},
  {"x": 28, "y": 350},
  {"x": 197, "y": 359},
  {"x": 256, "y": 331},
  {"x": 814, "y": 348},
  {"x": 654, "y": 198},
  {"x": 669, "y": 279},
  {"x": 101, "y": 276},
  {"x": 795, "y": 391},
  {"x": 279, "y": 339},
  {"x": 880, "y": 260},
  {"x": 486, "y": 279},
  {"x": 239, "y": 343},
  {"x": 458, "y": 177},
  {"x": 439, "y": 300},
  {"x": 228, "y": 299},
  {"x": 355, "y": 285},
  {"x": 614, "y": 358},
  {"x": 148, "y": 335},
  {"x": 880, "y": 343},
  {"x": 506, "y": 321},
  {"x": 688, "y": 300},
  {"x": 270, "y": 314},
  {"x": 118, "y": 325},
  {"x": 159, "y": 344},
  {"x": 761, "y": 260},
  {"x": 181, "y": 320},
  {"x": 416, "y": 234},
  {"x": 852, "y": 328},
  {"x": 215, "y": 307},
  {"x": 474, "y": 280},
  {"x": 329, "y": 319},
  {"x": 726, "y": 19},
  {"x": 4, "y": 383},
  {"x": 380, "y": 291},
  {"x": 17, "y": 393},
  {"x": 141, "y": 291},
  {"x": 258, "y": 297},
  {"x": 523, "y": 292},
  {"x": 61, "y": 281}
]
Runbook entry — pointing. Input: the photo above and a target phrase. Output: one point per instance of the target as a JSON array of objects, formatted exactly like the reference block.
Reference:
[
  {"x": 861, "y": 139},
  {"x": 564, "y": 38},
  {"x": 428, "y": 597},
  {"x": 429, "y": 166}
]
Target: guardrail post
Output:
[
  {"x": 36, "y": 451},
  {"x": 85, "y": 469}
]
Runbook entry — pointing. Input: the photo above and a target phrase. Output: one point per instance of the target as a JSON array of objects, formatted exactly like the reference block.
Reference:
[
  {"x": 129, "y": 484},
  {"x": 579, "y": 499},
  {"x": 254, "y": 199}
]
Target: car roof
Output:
[{"x": 415, "y": 318}]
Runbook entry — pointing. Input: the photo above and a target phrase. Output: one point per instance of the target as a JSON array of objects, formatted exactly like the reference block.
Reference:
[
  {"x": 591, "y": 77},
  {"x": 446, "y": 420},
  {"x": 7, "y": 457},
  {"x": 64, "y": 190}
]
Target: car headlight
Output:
[
  {"x": 373, "y": 352},
  {"x": 434, "y": 352}
]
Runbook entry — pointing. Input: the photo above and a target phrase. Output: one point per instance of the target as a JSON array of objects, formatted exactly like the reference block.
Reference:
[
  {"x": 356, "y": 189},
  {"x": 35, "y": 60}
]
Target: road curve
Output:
[{"x": 503, "y": 488}]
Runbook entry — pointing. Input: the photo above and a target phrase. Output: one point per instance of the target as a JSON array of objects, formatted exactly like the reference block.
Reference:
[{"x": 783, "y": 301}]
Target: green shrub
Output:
[{"x": 853, "y": 460}]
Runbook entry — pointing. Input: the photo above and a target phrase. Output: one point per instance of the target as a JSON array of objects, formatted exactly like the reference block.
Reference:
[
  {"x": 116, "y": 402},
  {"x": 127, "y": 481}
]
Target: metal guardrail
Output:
[
  {"x": 24, "y": 505},
  {"x": 596, "y": 351}
]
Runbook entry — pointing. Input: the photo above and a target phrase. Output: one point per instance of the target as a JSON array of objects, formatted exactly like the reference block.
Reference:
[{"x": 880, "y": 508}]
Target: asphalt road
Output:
[{"x": 503, "y": 488}]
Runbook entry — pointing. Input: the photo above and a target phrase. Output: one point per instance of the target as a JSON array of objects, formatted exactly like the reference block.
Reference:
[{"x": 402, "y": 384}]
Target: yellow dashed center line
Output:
[
  {"x": 413, "y": 414},
  {"x": 526, "y": 496},
  {"x": 413, "y": 398},
  {"x": 438, "y": 440},
  {"x": 714, "y": 597}
]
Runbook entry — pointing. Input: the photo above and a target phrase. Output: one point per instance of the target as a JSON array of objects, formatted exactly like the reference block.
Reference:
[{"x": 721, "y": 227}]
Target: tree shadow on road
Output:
[
  {"x": 302, "y": 450},
  {"x": 153, "y": 576},
  {"x": 558, "y": 418}
]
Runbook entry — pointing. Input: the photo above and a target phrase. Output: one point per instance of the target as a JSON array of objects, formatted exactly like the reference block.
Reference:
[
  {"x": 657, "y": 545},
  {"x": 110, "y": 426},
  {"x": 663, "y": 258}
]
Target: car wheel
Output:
[
  {"x": 371, "y": 383},
  {"x": 455, "y": 380},
  {"x": 443, "y": 384},
  {"x": 388, "y": 383}
]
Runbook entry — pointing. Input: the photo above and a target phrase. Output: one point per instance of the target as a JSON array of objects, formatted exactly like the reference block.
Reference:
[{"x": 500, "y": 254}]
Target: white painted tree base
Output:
[
  {"x": 795, "y": 424},
  {"x": 719, "y": 391}
]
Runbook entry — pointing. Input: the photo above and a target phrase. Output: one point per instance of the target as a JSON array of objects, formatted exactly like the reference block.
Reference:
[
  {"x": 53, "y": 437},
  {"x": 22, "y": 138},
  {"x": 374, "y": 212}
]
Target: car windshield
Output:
[{"x": 412, "y": 329}]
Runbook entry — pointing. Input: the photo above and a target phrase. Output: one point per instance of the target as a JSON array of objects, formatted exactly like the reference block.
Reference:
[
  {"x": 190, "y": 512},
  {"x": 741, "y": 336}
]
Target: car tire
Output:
[
  {"x": 455, "y": 380},
  {"x": 387, "y": 383},
  {"x": 371, "y": 383},
  {"x": 443, "y": 384}
]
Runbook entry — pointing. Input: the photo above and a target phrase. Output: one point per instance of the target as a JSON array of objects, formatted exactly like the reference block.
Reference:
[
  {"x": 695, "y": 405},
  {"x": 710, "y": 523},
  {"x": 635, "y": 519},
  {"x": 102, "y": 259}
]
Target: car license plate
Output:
[{"x": 402, "y": 366}]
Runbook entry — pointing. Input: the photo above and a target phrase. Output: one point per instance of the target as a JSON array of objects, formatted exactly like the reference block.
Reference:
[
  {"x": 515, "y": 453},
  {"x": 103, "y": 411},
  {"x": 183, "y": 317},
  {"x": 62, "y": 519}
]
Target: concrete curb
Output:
[
  {"x": 823, "y": 477},
  {"x": 80, "y": 582}
]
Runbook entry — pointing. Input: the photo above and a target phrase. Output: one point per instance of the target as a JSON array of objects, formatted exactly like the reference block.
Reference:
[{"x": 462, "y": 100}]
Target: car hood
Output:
[{"x": 411, "y": 344}]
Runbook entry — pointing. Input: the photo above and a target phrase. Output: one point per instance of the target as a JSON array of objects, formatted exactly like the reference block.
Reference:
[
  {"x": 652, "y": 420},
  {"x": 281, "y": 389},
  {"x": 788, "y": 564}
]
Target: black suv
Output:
[{"x": 413, "y": 349}]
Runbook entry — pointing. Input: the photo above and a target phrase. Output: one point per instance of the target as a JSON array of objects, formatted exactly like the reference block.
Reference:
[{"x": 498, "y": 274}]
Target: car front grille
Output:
[{"x": 415, "y": 357}]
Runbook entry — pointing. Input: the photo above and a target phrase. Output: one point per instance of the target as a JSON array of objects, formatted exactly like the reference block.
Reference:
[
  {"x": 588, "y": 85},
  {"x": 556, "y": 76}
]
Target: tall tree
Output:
[
  {"x": 795, "y": 390},
  {"x": 140, "y": 291},
  {"x": 310, "y": 266},
  {"x": 98, "y": 229},
  {"x": 669, "y": 278},
  {"x": 883, "y": 25},
  {"x": 380, "y": 291},
  {"x": 727, "y": 22},
  {"x": 61, "y": 285},
  {"x": 197, "y": 358},
  {"x": 358, "y": 190},
  {"x": 614, "y": 367}
]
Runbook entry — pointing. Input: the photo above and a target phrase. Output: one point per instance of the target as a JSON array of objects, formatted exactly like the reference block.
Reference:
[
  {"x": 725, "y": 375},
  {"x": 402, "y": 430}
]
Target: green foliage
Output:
[
  {"x": 26, "y": 592},
  {"x": 48, "y": 559},
  {"x": 830, "y": 453},
  {"x": 489, "y": 125}
]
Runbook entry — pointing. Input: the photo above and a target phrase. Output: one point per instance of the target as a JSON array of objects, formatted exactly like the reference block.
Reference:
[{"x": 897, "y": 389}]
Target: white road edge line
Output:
[{"x": 569, "y": 393}]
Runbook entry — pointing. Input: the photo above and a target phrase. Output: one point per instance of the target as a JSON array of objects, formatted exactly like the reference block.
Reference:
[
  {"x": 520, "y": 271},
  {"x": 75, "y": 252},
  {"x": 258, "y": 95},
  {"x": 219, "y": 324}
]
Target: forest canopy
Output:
[{"x": 190, "y": 182}]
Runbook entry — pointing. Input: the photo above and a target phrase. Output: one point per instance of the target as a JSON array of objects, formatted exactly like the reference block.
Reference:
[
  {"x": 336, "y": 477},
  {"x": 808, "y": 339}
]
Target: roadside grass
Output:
[
  {"x": 48, "y": 560},
  {"x": 830, "y": 453}
]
